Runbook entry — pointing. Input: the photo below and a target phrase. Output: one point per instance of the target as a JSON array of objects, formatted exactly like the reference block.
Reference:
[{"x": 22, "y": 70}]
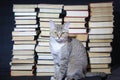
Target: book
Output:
[
  {"x": 27, "y": 26},
  {"x": 77, "y": 31},
  {"x": 82, "y": 37},
  {"x": 98, "y": 66},
  {"x": 75, "y": 7},
  {"x": 45, "y": 73},
  {"x": 100, "y": 60},
  {"x": 74, "y": 19},
  {"x": 106, "y": 70},
  {"x": 43, "y": 43},
  {"x": 100, "y": 49},
  {"x": 57, "y": 6},
  {"x": 26, "y": 33},
  {"x": 25, "y": 42},
  {"x": 53, "y": 19},
  {"x": 100, "y": 36},
  {"x": 101, "y": 40},
  {"x": 102, "y": 4},
  {"x": 77, "y": 13},
  {"x": 45, "y": 62},
  {"x": 25, "y": 17},
  {"x": 24, "y": 6},
  {"x": 22, "y": 61},
  {"x": 23, "y": 52},
  {"x": 42, "y": 49},
  {"x": 24, "y": 10},
  {"x": 24, "y": 29},
  {"x": 98, "y": 54},
  {"x": 23, "y": 47},
  {"x": 21, "y": 73},
  {"x": 25, "y": 14},
  {"x": 47, "y": 24},
  {"x": 22, "y": 38},
  {"x": 21, "y": 66},
  {"x": 48, "y": 10},
  {"x": 99, "y": 44},
  {"x": 100, "y": 24},
  {"x": 49, "y": 15},
  {"x": 100, "y": 31},
  {"x": 23, "y": 57},
  {"x": 76, "y": 25},
  {"x": 25, "y": 21},
  {"x": 101, "y": 18}
]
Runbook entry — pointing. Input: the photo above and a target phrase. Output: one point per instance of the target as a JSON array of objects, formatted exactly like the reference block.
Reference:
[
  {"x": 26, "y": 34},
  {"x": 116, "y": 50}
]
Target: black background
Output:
[{"x": 7, "y": 26}]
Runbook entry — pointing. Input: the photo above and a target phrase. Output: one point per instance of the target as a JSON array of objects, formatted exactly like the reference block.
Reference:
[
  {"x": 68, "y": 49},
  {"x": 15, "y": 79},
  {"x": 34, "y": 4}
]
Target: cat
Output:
[{"x": 69, "y": 54}]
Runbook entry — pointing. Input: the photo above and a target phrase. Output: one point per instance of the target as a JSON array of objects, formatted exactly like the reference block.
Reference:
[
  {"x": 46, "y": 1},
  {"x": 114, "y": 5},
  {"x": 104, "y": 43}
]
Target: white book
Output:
[
  {"x": 23, "y": 57},
  {"x": 27, "y": 26},
  {"x": 50, "y": 10},
  {"x": 77, "y": 13},
  {"x": 24, "y": 6},
  {"x": 53, "y": 6},
  {"x": 24, "y": 33},
  {"x": 100, "y": 49},
  {"x": 25, "y": 14},
  {"x": 45, "y": 62},
  {"x": 99, "y": 44},
  {"x": 24, "y": 29},
  {"x": 46, "y": 70},
  {"x": 101, "y": 36},
  {"x": 23, "y": 47},
  {"x": 40, "y": 43},
  {"x": 42, "y": 49},
  {"x": 25, "y": 21},
  {"x": 25, "y": 17},
  {"x": 101, "y": 31},
  {"x": 44, "y": 57},
  {"x": 24, "y": 10},
  {"x": 77, "y": 31},
  {"x": 48, "y": 15}
]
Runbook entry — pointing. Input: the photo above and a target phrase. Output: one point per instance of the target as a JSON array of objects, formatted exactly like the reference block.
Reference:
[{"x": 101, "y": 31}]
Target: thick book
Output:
[
  {"x": 21, "y": 66},
  {"x": 21, "y": 73},
  {"x": 100, "y": 49},
  {"x": 100, "y": 36},
  {"x": 77, "y": 13},
  {"x": 102, "y": 4},
  {"x": 75, "y": 7},
  {"x": 106, "y": 70},
  {"x": 26, "y": 33},
  {"x": 45, "y": 74},
  {"x": 101, "y": 18},
  {"x": 100, "y": 24},
  {"x": 25, "y": 14},
  {"x": 43, "y": 43},
  {"x": 27, "y": 26},
  {"x": 98, "y": 66},
  {"x": 74, "y": 19},
  {"x": 76, "y": 25},
  {"x": 23, "y": 47},
  {"x": 22, "y": 61},
  {"x": 100, "y": 31},
  {"x": 25, "y": 21},
  {"x": 23, "y": 57},
  {"x": 24, "y": 6},
  {"x": 24, "y": 29},
  {"x": 23, "y": 52},
  {"x": 82, "y": 37},
  {"x": 42, "y": 49},
  {"x": 101, "y": 40},
  {"x": 48, "y": 10},
  {"x": 98, "y": 54},
  {"x": 46, "y": 24},
  {"x": 25, "y": 42},
  {"x": 95, "y": 44},
  {"x": 25, "y": 17},
  {"x": 49, "y": 15},
  {"x": 77, "y": 31},
  {"x": 24, "y": 10},
  {"x": 53, "y": 6},
  {"x": 45, "y": 62},
  {"x": 100, "y": 60},
  {"x": 23, "y": 38},
  {"x": 53, "y": 19}
]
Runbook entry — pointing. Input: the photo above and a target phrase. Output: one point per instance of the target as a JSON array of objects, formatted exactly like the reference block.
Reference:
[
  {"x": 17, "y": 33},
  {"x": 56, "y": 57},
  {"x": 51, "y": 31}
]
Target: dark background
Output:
[{"x": 7, "y": 26}]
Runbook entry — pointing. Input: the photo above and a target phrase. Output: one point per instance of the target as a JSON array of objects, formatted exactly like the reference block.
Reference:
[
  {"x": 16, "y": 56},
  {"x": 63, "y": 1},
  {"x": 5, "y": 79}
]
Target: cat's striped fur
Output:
[{"x": 69, "y": 54}]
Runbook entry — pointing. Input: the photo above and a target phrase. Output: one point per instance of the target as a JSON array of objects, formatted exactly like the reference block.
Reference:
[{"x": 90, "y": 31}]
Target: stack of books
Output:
[
  {"x": 47, "y": 12},
  {"x": 24, "y": 39},
  {"x": 100, "y": 36},
  {"x": 76, "y": 15}
]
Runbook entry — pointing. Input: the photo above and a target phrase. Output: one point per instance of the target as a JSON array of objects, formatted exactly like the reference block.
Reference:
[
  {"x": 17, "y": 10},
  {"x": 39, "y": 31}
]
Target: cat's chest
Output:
[{"x": 56, "y": 47}]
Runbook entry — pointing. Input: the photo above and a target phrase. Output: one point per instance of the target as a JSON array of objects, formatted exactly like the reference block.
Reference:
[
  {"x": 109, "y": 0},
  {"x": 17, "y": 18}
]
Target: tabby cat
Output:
[{"x": 69, "y": 54}]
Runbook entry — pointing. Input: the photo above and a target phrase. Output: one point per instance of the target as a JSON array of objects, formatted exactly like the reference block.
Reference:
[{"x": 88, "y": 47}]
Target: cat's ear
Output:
[
  {"x": 66, "y": 25},
  {"x": 52, "y": 24}
]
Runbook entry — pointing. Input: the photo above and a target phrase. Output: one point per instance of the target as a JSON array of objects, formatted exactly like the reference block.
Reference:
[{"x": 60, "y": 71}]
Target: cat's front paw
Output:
[{"x": 52, "y": 78}]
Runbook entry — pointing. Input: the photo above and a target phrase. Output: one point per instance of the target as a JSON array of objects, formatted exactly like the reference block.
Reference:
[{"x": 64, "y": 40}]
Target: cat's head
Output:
[{"x": 59, "y": 32}]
